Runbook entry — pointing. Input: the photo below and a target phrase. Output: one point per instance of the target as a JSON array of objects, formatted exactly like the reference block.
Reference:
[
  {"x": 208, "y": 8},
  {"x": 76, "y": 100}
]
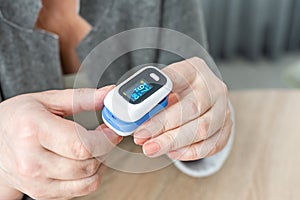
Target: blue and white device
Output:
[{"x": 136, "y": 100}]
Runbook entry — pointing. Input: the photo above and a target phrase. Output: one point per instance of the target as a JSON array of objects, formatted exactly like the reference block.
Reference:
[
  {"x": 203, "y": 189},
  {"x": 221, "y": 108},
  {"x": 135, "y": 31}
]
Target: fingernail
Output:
[{"x": 151, "y": 148}]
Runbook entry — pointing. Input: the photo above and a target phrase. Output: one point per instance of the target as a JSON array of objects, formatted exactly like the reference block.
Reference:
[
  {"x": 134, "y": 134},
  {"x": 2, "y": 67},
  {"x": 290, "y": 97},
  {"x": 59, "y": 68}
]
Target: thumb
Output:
[{"x": 71, "y": 101}]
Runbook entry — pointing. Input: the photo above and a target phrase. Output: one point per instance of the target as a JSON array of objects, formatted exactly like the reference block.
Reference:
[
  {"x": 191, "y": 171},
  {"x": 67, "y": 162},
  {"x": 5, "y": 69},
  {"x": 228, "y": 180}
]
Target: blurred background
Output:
[{"x": 255, "y": 43}]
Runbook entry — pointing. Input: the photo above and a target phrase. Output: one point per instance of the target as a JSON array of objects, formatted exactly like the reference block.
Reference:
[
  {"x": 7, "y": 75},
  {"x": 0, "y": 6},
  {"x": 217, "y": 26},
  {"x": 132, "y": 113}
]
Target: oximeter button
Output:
[{"x": 154, "y": 76}]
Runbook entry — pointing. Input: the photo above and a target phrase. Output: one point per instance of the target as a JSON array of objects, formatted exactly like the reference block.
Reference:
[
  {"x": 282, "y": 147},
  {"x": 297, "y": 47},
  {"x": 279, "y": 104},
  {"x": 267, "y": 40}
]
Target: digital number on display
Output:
[{"x": 138, "y": 91}]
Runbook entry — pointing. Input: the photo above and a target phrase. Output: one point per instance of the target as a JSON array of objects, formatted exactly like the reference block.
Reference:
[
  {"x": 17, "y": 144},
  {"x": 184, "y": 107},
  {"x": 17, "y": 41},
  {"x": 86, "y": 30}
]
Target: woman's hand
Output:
[
  {"x": 46, "y": 156},
  {"x": 61, "y": 18},
  {"x": 197, "y": 122}
]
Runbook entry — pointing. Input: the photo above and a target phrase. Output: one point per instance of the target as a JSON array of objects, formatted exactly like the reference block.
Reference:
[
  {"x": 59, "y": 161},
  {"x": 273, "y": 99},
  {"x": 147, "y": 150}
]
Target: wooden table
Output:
[{"x": 264, "y": 163}]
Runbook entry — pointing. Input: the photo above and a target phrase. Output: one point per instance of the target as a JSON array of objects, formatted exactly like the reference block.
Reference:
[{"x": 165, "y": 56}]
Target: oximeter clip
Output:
[{"x": 136, "y": 100}]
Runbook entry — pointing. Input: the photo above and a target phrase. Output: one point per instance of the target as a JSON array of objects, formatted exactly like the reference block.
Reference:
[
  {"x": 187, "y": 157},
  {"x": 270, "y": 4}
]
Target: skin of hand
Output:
[
  {"x": 61, "y": 18},
  {"x": 197, "y": 122},
  {"x": 47, "y": 156}
]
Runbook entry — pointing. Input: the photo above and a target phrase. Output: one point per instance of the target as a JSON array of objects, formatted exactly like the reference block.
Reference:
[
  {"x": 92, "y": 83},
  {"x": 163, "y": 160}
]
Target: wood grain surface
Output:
[{"x": 264, "y": 162}]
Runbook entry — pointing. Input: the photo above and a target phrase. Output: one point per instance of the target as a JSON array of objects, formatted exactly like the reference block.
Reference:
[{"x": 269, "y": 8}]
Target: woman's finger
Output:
[
  {"x": 197, "y": 90},
  {"x": 205, "y": 148},
  {"x": 192, "y": 132},
  {"x": 56, "y": 189},
  {"x": 187, "y": 109},
  {"x": 62, "y": 168},
  {"x": 71, "y": 101},
  {"x": 70, "y": 139}
]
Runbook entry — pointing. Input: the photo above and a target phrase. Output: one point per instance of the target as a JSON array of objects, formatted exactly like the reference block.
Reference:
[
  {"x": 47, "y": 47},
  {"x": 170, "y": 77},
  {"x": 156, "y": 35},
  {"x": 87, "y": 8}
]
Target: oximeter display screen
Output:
[
  {"x": 142, "y": 86},
  {"x": 138, "y": 90}
]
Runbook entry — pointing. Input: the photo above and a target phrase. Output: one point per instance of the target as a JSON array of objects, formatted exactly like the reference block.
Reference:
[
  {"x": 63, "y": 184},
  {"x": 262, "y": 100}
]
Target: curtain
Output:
[{"x": 252, "y": 28}]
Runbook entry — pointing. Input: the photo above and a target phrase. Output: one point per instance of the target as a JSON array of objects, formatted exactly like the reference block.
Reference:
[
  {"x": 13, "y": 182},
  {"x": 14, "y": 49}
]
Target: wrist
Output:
[
  {"x": 63, "y": 20},
  {"x": 69, "y": 40}
]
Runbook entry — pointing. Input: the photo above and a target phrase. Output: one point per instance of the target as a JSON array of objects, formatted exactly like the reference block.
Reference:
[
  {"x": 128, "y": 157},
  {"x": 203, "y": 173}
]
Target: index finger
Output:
[
  {"x": 72, "y": 101},
  {"x": 184, "y": 73}
]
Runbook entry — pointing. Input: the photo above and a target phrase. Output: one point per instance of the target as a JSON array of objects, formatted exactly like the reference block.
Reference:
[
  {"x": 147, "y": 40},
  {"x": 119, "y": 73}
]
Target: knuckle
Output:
[
  {"x": 223, "y": 89},
  {"x": 194, "y": 107},
  {"x": 218, "y": 147},
  {"x": 228, "y": 112},
  {"x": 161, "y": 122},
  {"x": 80, "y": 151},
  {"x": 195, "y": 153},
  {"x": 203, "y": 130},
  {"x": 88, "y": 187},
  {"x": 81, "y": 191},
  {"x": 223, "y": 85},
  {"x": 77, "y": 95},
  {"x": 91, "y": 168},
  {"x": 228, "y": 131},
  {"x": 221, "y": 143},
  {"x": 197, "y": 59},
  {"x": 171, "y": 141},
  {"x": 48, "y": 93},
  {"x": 228, "y": 119},
  {"x": 29, "y": 169},
  {"x": 94, "y": 185},
  {"x": 27, "y": 127},
  {"x": 215, "y": 149},
  {"x": 198, "y": 62},
  {"x": 80, "y": 91}
]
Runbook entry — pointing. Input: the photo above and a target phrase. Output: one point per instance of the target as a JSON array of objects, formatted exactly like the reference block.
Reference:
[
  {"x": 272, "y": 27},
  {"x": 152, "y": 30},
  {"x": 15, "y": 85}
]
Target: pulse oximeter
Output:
[{"x": 135, "y": 100}]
